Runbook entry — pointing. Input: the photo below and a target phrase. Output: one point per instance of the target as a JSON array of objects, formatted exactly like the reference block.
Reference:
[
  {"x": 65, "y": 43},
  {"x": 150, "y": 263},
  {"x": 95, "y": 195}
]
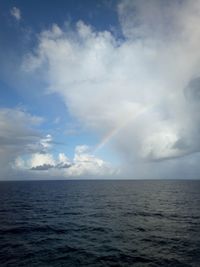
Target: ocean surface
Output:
[{"x": 100, "y": 223}]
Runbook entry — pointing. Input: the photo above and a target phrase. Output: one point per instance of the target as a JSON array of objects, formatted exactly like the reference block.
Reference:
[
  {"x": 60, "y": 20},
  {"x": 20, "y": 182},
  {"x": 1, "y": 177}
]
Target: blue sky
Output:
[
  {"x": 20, "y": 36},
  {"x": 99, "y": 88},
  {"x": 28, "y": 94}
]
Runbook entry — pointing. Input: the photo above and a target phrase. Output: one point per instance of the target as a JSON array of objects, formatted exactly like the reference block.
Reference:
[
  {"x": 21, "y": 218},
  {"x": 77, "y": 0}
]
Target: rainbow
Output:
[{"x": 117, "y": 129}]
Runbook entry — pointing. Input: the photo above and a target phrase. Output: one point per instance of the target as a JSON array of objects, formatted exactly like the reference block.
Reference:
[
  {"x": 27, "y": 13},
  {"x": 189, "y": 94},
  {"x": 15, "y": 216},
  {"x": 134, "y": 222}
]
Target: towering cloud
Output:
[{"x": 139, "y": 90}]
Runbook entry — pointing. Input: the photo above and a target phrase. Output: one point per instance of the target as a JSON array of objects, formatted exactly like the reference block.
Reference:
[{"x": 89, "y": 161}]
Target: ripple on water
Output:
[{"x": 100, "y": 223}]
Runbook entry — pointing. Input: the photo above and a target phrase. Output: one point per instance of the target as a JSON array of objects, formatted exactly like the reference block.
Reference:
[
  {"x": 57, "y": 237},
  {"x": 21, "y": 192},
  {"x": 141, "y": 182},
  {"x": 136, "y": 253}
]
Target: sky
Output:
[{"x": 99, "y": 89}]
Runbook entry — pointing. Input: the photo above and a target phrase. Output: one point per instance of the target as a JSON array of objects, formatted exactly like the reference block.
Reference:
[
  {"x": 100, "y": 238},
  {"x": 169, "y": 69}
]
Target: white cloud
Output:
[
  {"x": 23, "y": 149},
  {"x": 16, "y": 13},
  {"x": 63, "y": 159},
  {"x": 135, "y": 91},
  {"x": 41, "y": 159},
  {"x": 46, "y": 142},
  {"x": 84, "y": 164}
]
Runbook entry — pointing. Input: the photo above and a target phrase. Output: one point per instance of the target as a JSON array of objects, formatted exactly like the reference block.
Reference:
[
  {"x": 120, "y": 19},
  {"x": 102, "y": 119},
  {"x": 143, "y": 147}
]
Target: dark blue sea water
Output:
[{"x": 100, "y": 223}]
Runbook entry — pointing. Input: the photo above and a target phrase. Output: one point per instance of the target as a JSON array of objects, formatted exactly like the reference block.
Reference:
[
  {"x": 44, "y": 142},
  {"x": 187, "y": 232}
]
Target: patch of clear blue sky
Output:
[{"x": 20, "y": 37}]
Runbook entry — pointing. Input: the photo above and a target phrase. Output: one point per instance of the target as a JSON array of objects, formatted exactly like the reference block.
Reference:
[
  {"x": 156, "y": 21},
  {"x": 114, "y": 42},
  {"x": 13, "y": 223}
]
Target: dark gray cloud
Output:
[
  {"x": 192, "y": 91},
  {"x": 43, "y": 167},
  {"x": 63, "y": 165}
]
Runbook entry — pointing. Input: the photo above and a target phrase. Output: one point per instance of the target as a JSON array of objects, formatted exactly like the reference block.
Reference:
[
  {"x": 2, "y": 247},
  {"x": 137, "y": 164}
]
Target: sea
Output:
[{"x": 100, "y": 223}]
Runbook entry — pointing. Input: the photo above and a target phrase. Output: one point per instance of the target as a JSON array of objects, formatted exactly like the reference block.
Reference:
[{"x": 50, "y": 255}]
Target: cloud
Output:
[
  {"x": 17, "y": 128},
  {"x": 38, "y": 161},
  {"x": 16, "y": 13},
  {"x": 63, "y": 161},
  {"x": 18, "y": 135},
  {"x": 43, "y": 167},
  {"x": 139, "y": 92},
  {"x": 46, "y": 142},
  {"x": 83, "y": 164},
  {"x": 41, "y": 160},
  {"x": 25, "y": 150}
]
